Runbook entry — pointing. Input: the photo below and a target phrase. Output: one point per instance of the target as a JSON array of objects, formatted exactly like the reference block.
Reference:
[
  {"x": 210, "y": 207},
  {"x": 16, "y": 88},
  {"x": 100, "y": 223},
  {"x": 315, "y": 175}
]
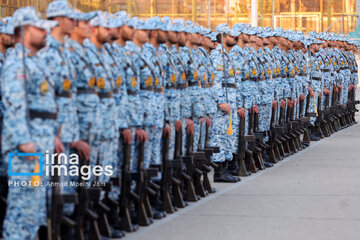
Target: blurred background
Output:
[{"x": 304, "y": 15}]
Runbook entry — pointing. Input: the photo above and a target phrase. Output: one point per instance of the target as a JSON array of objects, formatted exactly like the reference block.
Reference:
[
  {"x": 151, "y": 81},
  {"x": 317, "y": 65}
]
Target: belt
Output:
[
  {"x": 171, "y": 87},
  {"x": 150, "y": 88},
  {"x": 133, "y": 93},
  {"x": 316, "y": 78},
  {"x": 66, "y": 94},
  {"x": 302, "y": 74},
  {"x": 105, "y": 94},
  {"x": 245, "y": 79},
  {"x": 283, "y": 76},
  {"x": 194, "y": 84},
  {"x": 43, "y": 115},
  {"x": 343, "y": 68},
  {"x": 116, "y": 90},
  {"x": 229, "y": 85},
  {"x": 86, "y": 91},
  {"x": 158, "y": 90},
  {"x": 181, "y": 86},
  {"x": 326, "y": 70},
  {"x": 291, "y": 76},
  {"x": 211, "y": 84}
]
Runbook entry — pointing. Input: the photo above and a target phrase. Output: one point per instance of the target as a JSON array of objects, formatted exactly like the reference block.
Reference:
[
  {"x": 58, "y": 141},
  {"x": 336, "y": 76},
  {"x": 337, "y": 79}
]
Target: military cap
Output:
[
  {"x": 80, "y": 16},
  {"x": 224, "y": 29},
  {"x": 155, "y": 23},
  {"x": 60, "y": 8},
  {"x": 179, "y": 25},
  {"x": 29, "y": 16},
  {"x": 100, "y": 20},
  {"x": 140, "y": 24},
  {"x": 7, "y": 26}
]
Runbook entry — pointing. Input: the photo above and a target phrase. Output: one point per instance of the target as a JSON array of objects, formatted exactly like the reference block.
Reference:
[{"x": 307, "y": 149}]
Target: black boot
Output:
[
  {"x": 233, "y": 166},
  {"x": 222, "y": 174}
]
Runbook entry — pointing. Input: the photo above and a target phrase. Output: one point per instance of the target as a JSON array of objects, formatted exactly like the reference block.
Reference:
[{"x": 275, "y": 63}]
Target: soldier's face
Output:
[
  {"x": 65, "y": 24},
  {"x": 253, "y": 38},
  {"x": 84, "y": 29},
  {"x": 208, "y": 43},
  {"x": 103, "y": 34},
  {"x": 182, "y": 38},
  {"x": 194, "y": 39},
  {"x": 142, "y": 35},
  {"x": 173, "y": 37},
  {"x": 273, "y": 40},
  {"x": 7, "y": 40},
  {"x": 201, "y": 39},
  {"x": 266, "y": 41},
  {"x": 114, "y": 33},
  {"x": 36, "y": 37},
  {"x": 162, "y": 36},
  {"x": 229, "y": 40},
  {"x": 245, "y": 38},
  {"x": 127, "y": 33}
]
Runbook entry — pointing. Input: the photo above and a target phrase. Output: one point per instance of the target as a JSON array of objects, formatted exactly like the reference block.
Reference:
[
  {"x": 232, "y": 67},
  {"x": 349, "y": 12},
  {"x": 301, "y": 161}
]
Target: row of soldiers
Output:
[{"x": 161, "y": 102}]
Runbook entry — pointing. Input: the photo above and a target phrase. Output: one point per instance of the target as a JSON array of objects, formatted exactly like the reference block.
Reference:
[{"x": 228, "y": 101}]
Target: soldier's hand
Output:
[
  {"x": 320, "y": 95},
  {"x": 312, "y": 94},
  {"x": 59, "y": 147},
  {"x": 274, "y": 104},
  {"x": 141, "y": 135},
  {"x": 225, "y": 107},
  {"x": 282, "y": 103},
  {"x": 208, "y": 121},
  {"x": 302, "y": 97},
  {"x": 201, "y": 121},
  {"x": 190, "y": 126},
  {"x": 241, "y": 112},
  {"x": 28, "y": 148},
  {"x": 340, "y": 87},
  {"x": 126, "y": 133},
  {"x": 256, "y": 109},
  {"x": 178, "y": 125},
  {"x": 289, "y": 103},
  {"x": 167, "y": 130},
  {"x": 83, "y": 148},
  {"x": 326, "y": 91}
]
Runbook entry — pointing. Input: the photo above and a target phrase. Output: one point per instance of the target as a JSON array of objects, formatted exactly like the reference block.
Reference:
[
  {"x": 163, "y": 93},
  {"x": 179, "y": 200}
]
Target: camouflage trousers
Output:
[
  {"x": 221, "y": 139},
  {"x": 264, "y": 116},
  {"x": 26, "y": 205}
]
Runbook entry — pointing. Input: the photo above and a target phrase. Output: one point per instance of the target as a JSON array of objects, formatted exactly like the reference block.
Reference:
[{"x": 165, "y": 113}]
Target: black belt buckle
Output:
[
  {"x": 105, "y": 94},
  {"x": 67, "y": 94},
  {"x": 43, "y": 115},
  {"x": 86, "y": 91}
]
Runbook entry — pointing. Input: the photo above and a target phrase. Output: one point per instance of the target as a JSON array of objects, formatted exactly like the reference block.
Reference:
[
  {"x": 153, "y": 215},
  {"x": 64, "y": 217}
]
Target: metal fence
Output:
[{"x": 303, "y": 15}]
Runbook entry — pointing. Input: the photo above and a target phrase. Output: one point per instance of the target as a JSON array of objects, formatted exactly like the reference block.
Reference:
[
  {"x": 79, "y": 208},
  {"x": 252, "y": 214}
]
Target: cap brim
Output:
[{"x": 45, "y": 24}]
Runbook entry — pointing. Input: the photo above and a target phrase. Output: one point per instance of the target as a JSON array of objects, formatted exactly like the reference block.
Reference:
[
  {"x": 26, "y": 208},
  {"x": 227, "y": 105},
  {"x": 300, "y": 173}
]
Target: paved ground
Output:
[{"x": 314, "y": 194}]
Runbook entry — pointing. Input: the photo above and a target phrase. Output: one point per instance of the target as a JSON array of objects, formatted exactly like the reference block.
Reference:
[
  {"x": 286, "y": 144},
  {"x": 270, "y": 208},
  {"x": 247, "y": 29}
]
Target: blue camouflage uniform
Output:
[
  {"x": 24, "y": 121},
  {"x": 225, "y": 86},
  {"x": 98, "y": 58},
  {"x": 144, "y": 71}
]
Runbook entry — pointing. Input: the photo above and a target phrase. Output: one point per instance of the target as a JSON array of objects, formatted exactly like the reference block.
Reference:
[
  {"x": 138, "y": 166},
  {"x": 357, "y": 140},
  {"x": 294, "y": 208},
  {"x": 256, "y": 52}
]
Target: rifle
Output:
[
  {"x": 191, "y": 161},
  {"x": 142, "y": 204},
  {"x": 249, "y": 152},
  {"x": 126, "y": 193},
  {"x": 241, "y": 147},
  {"x": 3, "y": 196},
  {"x": 57, "y": 219}
]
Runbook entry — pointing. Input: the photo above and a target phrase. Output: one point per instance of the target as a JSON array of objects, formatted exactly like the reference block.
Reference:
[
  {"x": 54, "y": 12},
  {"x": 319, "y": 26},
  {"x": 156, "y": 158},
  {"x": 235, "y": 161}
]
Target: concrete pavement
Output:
[{"x": 314, "y": 194}]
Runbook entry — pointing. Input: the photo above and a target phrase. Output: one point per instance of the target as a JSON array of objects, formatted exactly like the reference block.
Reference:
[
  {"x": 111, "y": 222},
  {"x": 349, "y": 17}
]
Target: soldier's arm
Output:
[
  {"x": 13, "y": 91},
  {"x": 218, "y": 92}
]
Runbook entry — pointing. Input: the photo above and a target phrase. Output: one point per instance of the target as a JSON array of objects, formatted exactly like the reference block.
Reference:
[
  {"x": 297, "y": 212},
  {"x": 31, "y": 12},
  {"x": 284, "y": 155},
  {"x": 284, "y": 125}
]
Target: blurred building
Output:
[{"x": 303, "y": 15}]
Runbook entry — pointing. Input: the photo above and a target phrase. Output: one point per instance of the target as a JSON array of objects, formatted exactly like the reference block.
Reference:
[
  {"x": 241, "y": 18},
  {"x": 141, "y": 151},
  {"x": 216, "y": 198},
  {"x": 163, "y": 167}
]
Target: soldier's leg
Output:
[
  {"x": 172, "y": 140},
  {"x": 148, "y": 146},
  {"x": 196, "y": 133}
]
